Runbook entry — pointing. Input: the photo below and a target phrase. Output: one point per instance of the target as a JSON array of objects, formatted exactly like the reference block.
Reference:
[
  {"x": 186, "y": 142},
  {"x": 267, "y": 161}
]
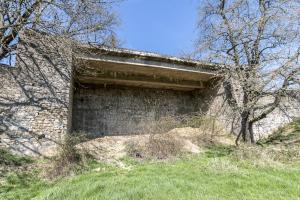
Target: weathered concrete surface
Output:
[
  {"x": 129, "y": 110},
  {"x": 140, "y": 69}
]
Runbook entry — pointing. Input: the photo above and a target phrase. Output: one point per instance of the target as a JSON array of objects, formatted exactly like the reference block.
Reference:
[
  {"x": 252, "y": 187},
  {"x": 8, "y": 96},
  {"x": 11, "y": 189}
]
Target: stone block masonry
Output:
[
  {"x": 34, "y": 97},
  {"x": 128, "y": 110}
]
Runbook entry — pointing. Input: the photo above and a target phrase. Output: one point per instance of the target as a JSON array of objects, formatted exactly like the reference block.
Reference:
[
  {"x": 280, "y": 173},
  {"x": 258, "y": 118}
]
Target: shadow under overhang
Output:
[{"x": 108, "y": 70}]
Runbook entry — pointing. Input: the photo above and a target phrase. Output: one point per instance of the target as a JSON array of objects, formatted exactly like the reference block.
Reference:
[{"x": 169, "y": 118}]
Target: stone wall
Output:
[
  {"x": 99, "y": 110},
  {"x": 288, "y": 110},
  {"x": 34, "y": 97}
]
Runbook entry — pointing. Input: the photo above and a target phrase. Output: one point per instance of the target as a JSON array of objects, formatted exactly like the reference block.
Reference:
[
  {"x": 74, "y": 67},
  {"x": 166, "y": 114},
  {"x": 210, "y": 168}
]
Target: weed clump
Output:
[
  {"x": 157, "y": 146},
  {"x": 69, "y": 159},
  {"x": 163, "y": 146}
]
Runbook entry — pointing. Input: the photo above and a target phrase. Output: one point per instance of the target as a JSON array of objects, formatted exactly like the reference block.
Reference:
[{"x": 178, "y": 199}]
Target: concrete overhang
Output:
[{"x": 95, "y": 65}]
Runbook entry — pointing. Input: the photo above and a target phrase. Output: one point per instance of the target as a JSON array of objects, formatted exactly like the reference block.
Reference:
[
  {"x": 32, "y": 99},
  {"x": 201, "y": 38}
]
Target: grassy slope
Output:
[
  {"x": 214, "y": 175},
  {"x": 196, "y": 178}
]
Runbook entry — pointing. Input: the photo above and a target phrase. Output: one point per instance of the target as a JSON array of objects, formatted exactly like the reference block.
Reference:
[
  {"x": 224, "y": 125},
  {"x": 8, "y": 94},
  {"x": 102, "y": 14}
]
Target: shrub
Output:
[
  {"x": 162, "y": 146},
  {"x": 133, "y": 149},
  {"x": 69, "y": 159},
  {"x": 158, "y": 146}
]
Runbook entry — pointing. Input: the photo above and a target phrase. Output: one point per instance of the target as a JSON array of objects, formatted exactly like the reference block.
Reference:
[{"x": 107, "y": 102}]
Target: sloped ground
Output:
[
  {"x": 199, "y": 177},
  {"x": 12, "y": 163},
  {"x": 211, "y": 168},
  {"x": 215, "y": 174},
  {"x": 179, "y": 140},
  {"x": 287, "y": 135}
]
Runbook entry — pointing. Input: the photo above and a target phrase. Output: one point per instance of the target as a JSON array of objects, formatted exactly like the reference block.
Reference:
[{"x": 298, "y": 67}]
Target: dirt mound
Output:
[{"x": 179, "y": 140}]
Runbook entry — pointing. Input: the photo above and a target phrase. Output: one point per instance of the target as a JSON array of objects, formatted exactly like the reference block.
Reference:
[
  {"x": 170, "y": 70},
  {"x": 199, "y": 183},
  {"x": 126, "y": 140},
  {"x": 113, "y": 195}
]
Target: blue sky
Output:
[{"x": 162, "y": 26}]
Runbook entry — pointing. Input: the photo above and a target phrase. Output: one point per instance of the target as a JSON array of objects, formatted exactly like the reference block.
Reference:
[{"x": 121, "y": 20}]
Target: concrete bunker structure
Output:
[
  {"x": 59, "y": 86},
  {"x": 119, "y": 91}
]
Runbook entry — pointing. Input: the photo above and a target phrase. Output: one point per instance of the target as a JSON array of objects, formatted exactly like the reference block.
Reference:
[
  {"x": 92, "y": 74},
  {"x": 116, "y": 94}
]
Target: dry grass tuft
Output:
[
  {"x": 162, "y": 146},
  {"x": 157, "y": 146},
  {"x": 69, "y": 159},
  {"x": 268, "y": 155}
]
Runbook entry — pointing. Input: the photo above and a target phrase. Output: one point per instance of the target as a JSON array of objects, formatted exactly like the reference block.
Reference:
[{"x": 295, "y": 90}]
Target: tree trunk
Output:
[
  {"x": 251, "y": 133},
  {"x": 245, "y": 125},
  {"x": 244, "y": 128}
]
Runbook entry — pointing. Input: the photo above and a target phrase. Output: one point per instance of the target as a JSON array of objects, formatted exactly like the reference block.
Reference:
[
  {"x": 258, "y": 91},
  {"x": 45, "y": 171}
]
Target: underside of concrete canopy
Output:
[{"x": 108, "y": 66}]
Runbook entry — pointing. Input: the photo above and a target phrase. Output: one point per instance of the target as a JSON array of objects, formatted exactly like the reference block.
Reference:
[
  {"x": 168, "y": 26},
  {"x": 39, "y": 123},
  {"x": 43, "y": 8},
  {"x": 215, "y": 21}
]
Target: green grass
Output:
[
  {"x": 8, "y": 159},
  {"x": 24, "y": 185},
  {"x": 18, "y": 183},
  {"x": 216, "y": 174},
  {"x": 220, "y": 173},
  {"x": 289, "y": 134}
]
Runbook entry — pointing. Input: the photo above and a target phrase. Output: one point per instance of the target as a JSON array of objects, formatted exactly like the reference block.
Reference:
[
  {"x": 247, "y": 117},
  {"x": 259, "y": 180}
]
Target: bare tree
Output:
[
  {"x": 84, "y": 20},
  {"x": 258, "y": 41},
  {"x": 55, "y": 24}
]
